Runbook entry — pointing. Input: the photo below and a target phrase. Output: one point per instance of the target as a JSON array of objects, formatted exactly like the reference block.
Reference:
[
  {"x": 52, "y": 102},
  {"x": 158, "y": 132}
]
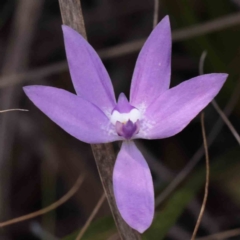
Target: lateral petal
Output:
[
  {"x": 153, "y": 68},
  {"x": 90, "y": 78},
  {"x": 133, "y": 187},
  {"x": 174, "y": 109},
  {"x": 78, "y": 117}
]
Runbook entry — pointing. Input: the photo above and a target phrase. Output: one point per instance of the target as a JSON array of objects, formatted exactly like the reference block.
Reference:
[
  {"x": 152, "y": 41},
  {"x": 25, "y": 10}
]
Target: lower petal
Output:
[{"x": 133, "y": 187}]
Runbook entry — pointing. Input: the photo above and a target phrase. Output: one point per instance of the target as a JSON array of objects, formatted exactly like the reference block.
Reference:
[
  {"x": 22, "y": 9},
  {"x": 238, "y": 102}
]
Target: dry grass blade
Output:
[
  {"x": 155, "y": 13},
  {"x": 207, "y": 179},
  {"x": 226, "y": 121},
  {"x": 126, "y": 48},
  {"x": 91, "y": 217},
  {"x": 222, "y": 235},
  {"x": 35, "y": 74},
  {"x": 201, "y": 62},
  {"x": 14, "y": 109},
  {"x": 53, "y": 206},
  {"x": 177, "y": 35}
]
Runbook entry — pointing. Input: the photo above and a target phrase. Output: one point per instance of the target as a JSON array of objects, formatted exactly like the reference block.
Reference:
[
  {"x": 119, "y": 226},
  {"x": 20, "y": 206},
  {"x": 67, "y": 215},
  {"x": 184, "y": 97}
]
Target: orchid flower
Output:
[{"x": 153, "y": 112}]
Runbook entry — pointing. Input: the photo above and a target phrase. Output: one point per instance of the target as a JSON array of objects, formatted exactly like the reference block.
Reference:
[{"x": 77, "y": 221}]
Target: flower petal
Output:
[
  {"x": 133, "y": 187},
  {"x": 153, "y": 68},
  {"x": 174, "y": 109},
  {"x": 90, "y": 78},
  {"x": 78, "y": 117}
]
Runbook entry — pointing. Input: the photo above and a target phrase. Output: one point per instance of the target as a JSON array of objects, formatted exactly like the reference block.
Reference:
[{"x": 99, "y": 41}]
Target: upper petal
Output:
[
  {"x": 173, "y": 110},
  {"x": 90, "y": 78},
  {"x": 75, "y": 115},
  {"x": 153, "y": 68},
  {"x": 133, "y": 187}
]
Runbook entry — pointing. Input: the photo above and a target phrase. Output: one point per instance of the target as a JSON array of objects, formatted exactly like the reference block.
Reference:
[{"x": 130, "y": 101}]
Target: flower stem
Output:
[{"x": 104, "y": 154}]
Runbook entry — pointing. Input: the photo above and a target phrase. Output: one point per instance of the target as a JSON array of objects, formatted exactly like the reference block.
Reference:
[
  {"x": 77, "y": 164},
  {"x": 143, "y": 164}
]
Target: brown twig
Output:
[
  {"x": 207, "y": 179},
  {"x": 222, "y": 235},
  {"x": 35, "y": 74},
  {"x": 104, "y": 154},
  {"x": 53, "y": 206},
  {"x": 91, "y": 217},
  {"x": 226, "y": 121},
  {"x": 155, "y": 13},
  {"x": 201, "y": 62},
  {"x": 14, "y": 109},
  {"x": 126, "y": 48},
  {"x": 177, "y": 35}
]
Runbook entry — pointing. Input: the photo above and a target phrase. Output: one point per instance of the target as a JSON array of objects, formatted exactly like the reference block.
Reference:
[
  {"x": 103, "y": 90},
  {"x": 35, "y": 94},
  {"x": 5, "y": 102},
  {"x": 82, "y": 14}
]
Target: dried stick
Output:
[
  {"x": 104, "y": 154},
  {"x": 14, "y": 109},
  {"x": 226, "y": 121},
  {"x": 177, "y": 35},
  {"x": 207, "y": 179},
  {"x": 91, "y": 217},
  {"x": 155, "y": 13},
  {"x": 53, "y": 206},
  {"x": 126, "y": 48},
  {"x": 222, "y": 235}
]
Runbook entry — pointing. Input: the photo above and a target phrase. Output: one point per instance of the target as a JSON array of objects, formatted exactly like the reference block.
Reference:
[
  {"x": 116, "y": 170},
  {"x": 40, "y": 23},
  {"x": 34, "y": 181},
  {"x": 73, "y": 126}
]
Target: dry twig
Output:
[
  {"x": 155, "y": 13},
  {"x": 222, "y": 235},
  {"x": 226, "y": 121},
  {"x": 53, "y": 206},
  {"x": 207, "y": 179},
  {"x": 91, "y": 217},
  {"x": 14, "y": 109},
  {"x": 126, "y": 48}
]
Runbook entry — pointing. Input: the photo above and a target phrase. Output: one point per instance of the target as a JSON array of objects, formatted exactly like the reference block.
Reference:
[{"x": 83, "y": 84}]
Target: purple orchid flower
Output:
[{"x": 153, "y": 112}]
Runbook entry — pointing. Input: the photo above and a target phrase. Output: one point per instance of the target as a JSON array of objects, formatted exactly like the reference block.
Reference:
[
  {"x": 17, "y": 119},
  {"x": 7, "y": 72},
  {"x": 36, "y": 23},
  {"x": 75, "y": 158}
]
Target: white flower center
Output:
[{"x": 133, "y": 116}]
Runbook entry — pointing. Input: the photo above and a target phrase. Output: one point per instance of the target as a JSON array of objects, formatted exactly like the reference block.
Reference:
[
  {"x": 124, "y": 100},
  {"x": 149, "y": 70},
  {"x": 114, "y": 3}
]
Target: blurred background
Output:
[{"x": 39, "y": 162}]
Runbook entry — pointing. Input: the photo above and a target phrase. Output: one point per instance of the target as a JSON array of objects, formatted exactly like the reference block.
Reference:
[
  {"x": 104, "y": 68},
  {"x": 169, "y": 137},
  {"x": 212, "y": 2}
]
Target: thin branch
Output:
[
  {"x": 177, "y": 35},
  {"x": 126, "y": 48},
  {"x": 36, "y": 74},
  {"x": 226, "y": 121},
  {"x": 201, "y": 62},
  {"x": 104, "y": 155},
  {"x": 14, "y": 109},
  {"x": 207, "y": 179},
  {"x": 91, "y": 217},
  {"x": 155, "y": 13},
  {"x": 53, "y": 206},
  {"x": 222, "y": 235}
]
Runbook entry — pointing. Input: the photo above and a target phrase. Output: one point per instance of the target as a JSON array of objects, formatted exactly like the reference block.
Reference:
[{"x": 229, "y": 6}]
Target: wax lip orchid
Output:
[{"x": 153, "y": 112}]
